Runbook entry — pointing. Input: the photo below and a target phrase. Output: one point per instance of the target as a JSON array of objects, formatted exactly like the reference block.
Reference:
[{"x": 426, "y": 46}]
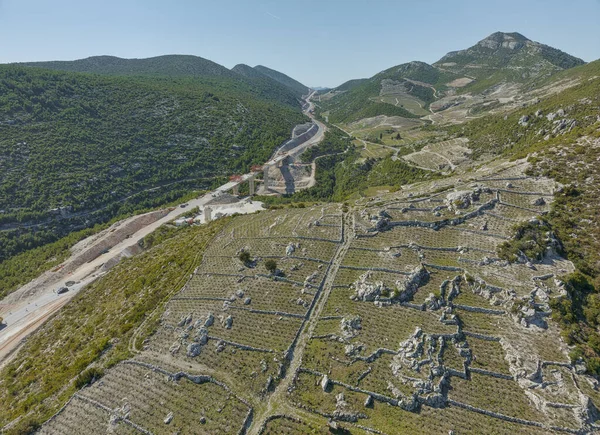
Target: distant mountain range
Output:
[
  {"x": 176, "y": 117},
  {"x": 174, "y": 65},
  {"x": 169, "y": 65},
  {"x": 501, "y": 58}
]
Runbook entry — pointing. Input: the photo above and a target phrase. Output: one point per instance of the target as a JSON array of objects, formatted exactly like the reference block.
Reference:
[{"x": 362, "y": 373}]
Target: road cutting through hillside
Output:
[{"x": 31, "y": 305}]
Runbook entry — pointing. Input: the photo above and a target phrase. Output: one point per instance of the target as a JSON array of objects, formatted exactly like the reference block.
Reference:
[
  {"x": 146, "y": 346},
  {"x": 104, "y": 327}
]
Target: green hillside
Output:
[
  {"x": 559, "y": 143},
  {"x": 350, "y": 84},
  {"x": 170, "y": 65},
  {"x": 267, "y": 86},
  {"x": 499, "y": 58},
  {"x": 356, "y": 102},
  {"x": 520, "y": 58},
  {"x": 94, "y": 145},
  {"x": 418, "y": 71},
  {"x": 178, "y": 66},
  {"x": 387, "y": 92},
  {"x": 285, "y": 80},
  {"x": 248, "y": 71},
  {"x": 433, "y": 266}
]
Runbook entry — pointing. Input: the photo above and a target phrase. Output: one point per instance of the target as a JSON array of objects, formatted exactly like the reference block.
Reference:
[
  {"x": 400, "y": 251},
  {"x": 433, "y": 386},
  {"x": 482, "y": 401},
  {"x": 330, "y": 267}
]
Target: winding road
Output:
[{"x": 30, "y": 306}]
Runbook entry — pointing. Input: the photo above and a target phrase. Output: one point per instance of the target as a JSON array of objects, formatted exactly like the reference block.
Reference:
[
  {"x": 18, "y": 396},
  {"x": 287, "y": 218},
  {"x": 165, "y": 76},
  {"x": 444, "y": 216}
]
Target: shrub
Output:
[
  {"x": 530, "y": 240},
  {"x": 89, "y": 376},
  {"x": 271, "y": 265},
  {"x": 245, "y": 257}
]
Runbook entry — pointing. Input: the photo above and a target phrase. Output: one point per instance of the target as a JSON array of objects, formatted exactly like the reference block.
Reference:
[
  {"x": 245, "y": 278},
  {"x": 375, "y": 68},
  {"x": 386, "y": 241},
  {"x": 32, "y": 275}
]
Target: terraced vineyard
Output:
[
  {"x": 442, "y": 156},
  {"x": 390, "y": 315}
]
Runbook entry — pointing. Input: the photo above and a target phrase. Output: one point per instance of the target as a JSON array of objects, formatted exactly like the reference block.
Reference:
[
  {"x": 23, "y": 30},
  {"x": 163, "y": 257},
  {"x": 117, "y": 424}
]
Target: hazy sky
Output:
[{"x": 319, "y": 42}]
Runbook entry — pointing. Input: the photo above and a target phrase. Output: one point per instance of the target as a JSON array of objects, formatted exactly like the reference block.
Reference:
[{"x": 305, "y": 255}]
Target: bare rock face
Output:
[
  {"x": 185, "y": 320},
  {"x": 367, "y": 291},
  {"x": 588, "y": 413},
  {"x": 380, "y": 221},
  {"x": 194, "y": 349},
  {"x": 352, "y": 350},
  {"x": 290, "y": 249},
  {"x": 174, "y": 349},
  {"x": 325, "y": 383},
  {"x": 310, "y": 279},
  {"x": 432, "y": 302},
  {"x": 350, "y": 326},
  {"x": 343, "y": 412},
  {"x": 461, "y": 199},
  {"x": 201, "y": 336},
  {"x": 529, "y": 313},
  {"x": 525, "y": 367},
  {"x": 523, "y": 121},
  {"x": 497, "y": 41},
  {"x": 410, "y": 352},
  {"x": 448, "y": 317},
  {"x": 407, "y": 288},
  {"x": 220, "y": 346}
]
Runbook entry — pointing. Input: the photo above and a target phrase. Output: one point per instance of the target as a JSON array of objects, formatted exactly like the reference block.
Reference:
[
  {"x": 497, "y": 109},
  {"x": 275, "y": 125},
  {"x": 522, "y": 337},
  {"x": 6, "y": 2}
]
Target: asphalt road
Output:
[{"x": 23, "y": 315}]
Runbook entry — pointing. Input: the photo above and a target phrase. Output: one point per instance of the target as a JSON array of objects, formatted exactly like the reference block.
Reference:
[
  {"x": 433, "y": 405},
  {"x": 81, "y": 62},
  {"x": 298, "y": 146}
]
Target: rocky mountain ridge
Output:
[{"x": 507, "y": 61}]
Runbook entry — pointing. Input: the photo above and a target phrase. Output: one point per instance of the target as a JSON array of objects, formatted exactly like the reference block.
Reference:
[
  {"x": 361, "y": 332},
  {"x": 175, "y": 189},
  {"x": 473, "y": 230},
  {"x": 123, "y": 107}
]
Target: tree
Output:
[
  {"x": 271, "y": 266},
  {"x": 244, "y": 257}
]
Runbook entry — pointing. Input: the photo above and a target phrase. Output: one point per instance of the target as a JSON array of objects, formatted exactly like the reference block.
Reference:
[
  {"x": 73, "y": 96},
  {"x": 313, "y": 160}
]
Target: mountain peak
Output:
[
  {"x": 509, "y": 56},
  {"x": 246, "y": 71},
  {"x": 498, "y": 40}
]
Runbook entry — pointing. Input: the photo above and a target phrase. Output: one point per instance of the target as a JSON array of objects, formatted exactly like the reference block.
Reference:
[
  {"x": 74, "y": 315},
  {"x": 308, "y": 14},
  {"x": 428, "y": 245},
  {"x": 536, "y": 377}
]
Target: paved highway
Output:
[{"x": 23, "y": 313}]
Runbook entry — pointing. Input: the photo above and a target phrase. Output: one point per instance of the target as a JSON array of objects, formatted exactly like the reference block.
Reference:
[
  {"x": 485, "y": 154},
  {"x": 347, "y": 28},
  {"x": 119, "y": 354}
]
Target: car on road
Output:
[
  {"x": 61, "y": 290},
  {"x": 184, "y": 205}
]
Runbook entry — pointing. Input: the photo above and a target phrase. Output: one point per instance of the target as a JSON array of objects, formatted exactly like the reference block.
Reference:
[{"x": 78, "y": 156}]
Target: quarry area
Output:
[{"x": 389, "y": 314}]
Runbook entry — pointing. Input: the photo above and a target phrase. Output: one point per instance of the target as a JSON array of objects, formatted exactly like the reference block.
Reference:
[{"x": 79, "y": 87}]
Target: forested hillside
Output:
[
  {"x": 78, "y": 149},
  {"x": 174, "y": 65},
  {"x": 285, "y": 80}
]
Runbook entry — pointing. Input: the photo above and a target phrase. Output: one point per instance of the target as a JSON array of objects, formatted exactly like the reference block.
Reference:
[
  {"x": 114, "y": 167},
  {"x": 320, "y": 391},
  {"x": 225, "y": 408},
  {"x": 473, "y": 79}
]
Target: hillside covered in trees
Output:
[{"x": 78, "y": 149}]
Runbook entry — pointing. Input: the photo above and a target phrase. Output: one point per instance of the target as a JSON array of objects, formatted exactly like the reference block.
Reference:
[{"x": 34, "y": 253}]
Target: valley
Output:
[
  {"x": 31, "y": 305},
  {"x": 415, "y": 252}
]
